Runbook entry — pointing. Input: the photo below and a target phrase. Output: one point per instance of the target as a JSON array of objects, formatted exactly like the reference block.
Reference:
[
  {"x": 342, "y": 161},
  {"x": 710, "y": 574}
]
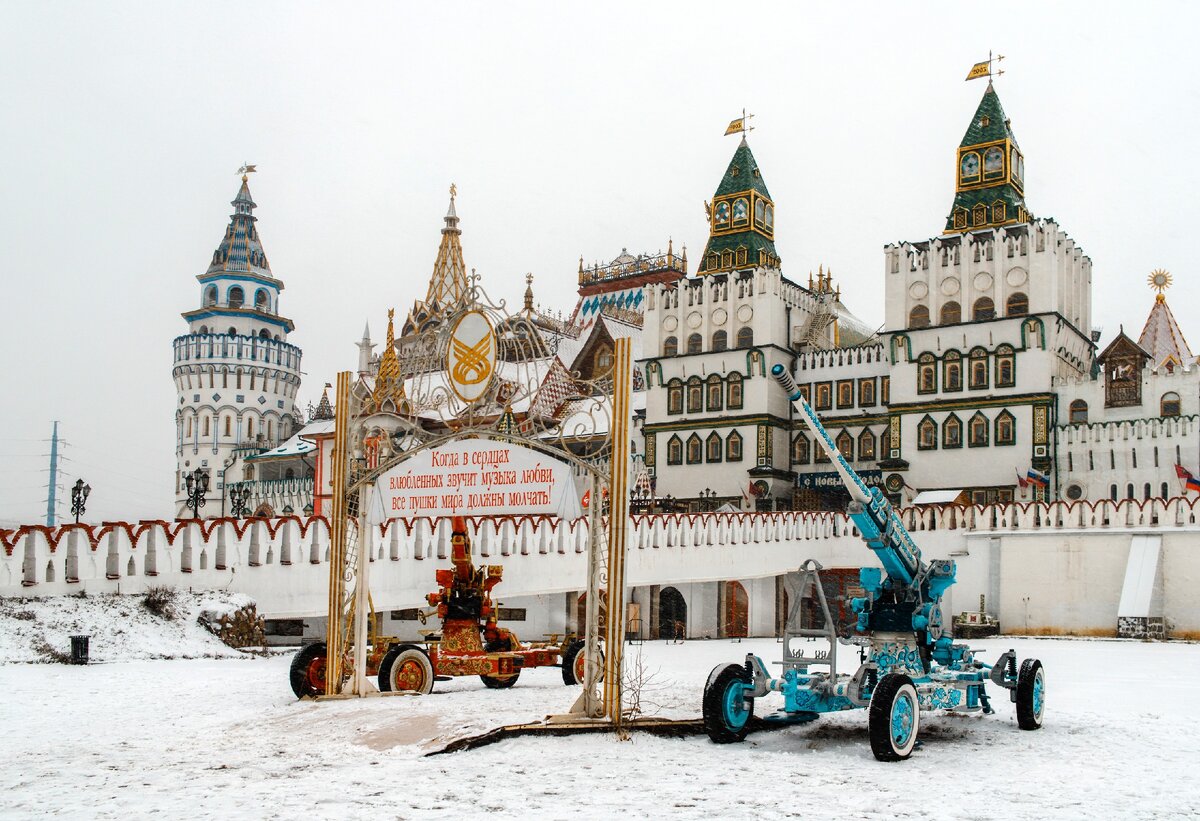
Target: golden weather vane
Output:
[
  {"x": 247, "y": 168},
  {"x": 984, "y": 69},
  {"x": 741, "y": 125},
  {"x": 1159, "y": 280}
]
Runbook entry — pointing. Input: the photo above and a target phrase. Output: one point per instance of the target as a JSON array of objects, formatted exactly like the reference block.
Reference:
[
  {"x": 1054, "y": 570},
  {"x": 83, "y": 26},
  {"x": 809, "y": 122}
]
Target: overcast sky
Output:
[{"x": 568, "y": 131}]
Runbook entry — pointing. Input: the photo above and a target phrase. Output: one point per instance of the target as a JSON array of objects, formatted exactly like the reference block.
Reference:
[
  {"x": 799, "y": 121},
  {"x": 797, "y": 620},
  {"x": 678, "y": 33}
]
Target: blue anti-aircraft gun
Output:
[{"x": 909, "y": 662}]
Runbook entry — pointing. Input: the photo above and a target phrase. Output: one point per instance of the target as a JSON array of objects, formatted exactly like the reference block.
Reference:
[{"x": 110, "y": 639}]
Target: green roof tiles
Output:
[{"x": 742, "y": 174}]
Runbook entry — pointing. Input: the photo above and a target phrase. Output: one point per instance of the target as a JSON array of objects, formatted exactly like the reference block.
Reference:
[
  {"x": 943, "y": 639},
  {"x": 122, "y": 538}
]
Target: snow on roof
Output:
[
  {"x": 936, "y": 497},
  {"x": 296, "y": 445}
]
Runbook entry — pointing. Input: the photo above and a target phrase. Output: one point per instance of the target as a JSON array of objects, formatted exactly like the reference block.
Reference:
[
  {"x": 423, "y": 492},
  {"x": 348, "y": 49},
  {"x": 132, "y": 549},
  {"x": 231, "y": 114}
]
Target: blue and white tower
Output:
[{"x": 234, "y": 370}]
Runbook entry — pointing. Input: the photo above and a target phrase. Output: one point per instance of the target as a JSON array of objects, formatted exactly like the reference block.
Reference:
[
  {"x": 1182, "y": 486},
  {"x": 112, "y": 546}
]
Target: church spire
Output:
[
  {"x": 990, "y": 172},
  {"x": 741, "y": 219},
  {"x": 448, "y": 285},
  {"x": 241, "y": 249},
  {"x": 388, "y": 382}
]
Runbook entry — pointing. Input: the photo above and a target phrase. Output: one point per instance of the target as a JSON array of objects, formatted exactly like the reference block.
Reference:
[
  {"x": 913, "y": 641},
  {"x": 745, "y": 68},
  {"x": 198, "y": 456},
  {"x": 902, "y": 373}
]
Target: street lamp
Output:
[
  {"x": 79, "y": 495},
  {"x": 708, "y": 499},
  {"x": 197, "y": 487},
  {"x": 238, "y": 498}
]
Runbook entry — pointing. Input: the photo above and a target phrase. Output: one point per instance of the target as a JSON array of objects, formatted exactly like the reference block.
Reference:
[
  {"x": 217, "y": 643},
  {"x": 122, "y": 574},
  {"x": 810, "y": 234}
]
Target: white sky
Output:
[{"x": 568, "y": 131}]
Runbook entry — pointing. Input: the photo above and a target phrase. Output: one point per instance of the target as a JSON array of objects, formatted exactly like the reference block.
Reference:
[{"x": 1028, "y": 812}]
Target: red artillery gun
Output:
[{"x": 470, "y": 643}]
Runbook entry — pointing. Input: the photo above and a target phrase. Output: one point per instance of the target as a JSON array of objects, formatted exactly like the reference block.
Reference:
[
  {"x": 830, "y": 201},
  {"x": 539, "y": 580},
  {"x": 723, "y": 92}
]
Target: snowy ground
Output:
[{"x": 225, "y": 738}]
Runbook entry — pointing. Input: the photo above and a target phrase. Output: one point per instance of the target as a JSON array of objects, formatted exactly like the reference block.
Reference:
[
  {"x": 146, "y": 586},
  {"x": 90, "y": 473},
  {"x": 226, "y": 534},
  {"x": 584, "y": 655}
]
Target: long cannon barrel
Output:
[{"x": 872, "y": 514}]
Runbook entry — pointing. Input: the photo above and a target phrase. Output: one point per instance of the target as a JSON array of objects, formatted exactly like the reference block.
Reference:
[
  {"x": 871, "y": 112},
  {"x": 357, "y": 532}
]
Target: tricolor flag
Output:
[
  {"x": 980, "y": 70},
  {"x": 1190, "y": 482},
  {"x": 1037, "y": 478},
  {"x": 737, "y": 125}
]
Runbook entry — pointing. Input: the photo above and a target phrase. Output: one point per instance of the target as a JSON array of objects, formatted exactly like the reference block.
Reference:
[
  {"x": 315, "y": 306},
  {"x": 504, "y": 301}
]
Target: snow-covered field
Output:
[{"x": 224, "y": 738}]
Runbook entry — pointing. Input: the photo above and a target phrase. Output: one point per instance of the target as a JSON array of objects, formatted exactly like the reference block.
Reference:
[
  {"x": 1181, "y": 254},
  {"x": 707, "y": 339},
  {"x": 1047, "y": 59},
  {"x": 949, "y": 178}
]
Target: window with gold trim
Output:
[
  {"x": 695, "y": 450},
  {"x": 741, "y": 256},
  {"x": 695, "y": 395},
  {"x": 713, "y": 447},
  {"x": 866, "y": 445},
  {"x": 1006, "y": 429},
  {"x": 952, "y": 432},
  {"x": 977, "y": 431},
  {"x": 845, "y": 445},
  {"x": 918, "y": 317},
  {"x": 978, "y": 374},
  {"x": 733, "y": 447},
  {"x": 1006, "y": 367},
  {"x": 952, "y": 371},
  {"x": 715, "y": 391},
  {"x": 726, "y": 259},
  {"x": 800, "y": 450},
  {"x": 927, "y": 434},
  {"x": 960, "y": 217},
  {"x": 735, "y": 391},
  {"x": 670, "y": 346},
  {"x": 979, "y": 214},
  {"x": 926, "y": 374},
  {"x": 741, "y": 211},
  {"x": 998, "y": 209},
  {"x": 675, "y": 451}
]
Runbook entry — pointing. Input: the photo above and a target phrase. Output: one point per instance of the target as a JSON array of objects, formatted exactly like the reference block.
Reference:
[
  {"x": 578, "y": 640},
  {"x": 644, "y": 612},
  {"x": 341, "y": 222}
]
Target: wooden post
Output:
[
  {"x": 618, "y": 528},
  {"x": 334, "y": 644}
]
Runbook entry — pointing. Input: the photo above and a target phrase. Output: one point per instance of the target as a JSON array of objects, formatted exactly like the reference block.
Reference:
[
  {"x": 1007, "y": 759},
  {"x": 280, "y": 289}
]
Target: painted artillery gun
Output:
[
  {"x": 470, "y": 643},
  {"x": 909, "y": 662}
]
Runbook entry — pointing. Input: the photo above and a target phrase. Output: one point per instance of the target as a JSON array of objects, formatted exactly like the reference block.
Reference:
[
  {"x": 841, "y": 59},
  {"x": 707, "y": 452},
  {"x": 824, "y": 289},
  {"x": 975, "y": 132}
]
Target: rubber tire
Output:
[
  {"x": 1029, "y": 718},
  {"x": 572, "y": 664},
  {"x": 716, "y": 692},
  {"x": 890, "y": 689},
  {"x": 299, "y": 673},
  {"x": 500, "y": 682},
  {"x": 411, "y": 654},
  {"x": 385, "y": 668}
]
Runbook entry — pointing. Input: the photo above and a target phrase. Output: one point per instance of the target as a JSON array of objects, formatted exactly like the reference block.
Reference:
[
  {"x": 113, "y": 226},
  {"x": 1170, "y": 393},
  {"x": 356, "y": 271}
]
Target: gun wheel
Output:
[
  {"x": 894, "y": 718},
  {"x": 307, "y": 673},
  {"x": 1031, "y": 695},
  {"x": 727, "y": 707},
  {"x": 574, "y": 662},
  {"x": 407, "y": 668}
]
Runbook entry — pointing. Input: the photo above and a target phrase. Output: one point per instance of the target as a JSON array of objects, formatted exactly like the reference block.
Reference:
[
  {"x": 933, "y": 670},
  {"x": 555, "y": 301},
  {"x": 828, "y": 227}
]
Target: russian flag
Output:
[
  {"x": 1037, "y": 478},
  {"x": 1190, "y": 482}
]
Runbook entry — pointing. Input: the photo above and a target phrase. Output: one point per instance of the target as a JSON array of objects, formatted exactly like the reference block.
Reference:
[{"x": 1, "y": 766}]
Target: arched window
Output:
[
  {"x": 918, "y": 317},
  {"x": 203, "y": 329},
  {"x": 800, "y": 450},
  {"x": 695, "y": 343},
  {"x": 237, "y": 296},
  {"x": 289, "y": 474},
  {"x": 733, "y": 447},
  {"x": 1166, "y": 494},
  {"x": 927, "y": 434},
  {"x": 1129, "y": 491},
  {"x": 1006, "y": 429},
  {"x": 984, "y": 308},
  {"x": 670, "y": 346},
  {"x": 845, "y": 445},
  {"x": 604, "y": 361},
  {"x": 695, "y": 395},
  {"x": 735, "y": 391},
  {"x": 1079, "y": 412},
  {"x": 674, "y": 396},
  {"x": 694, "y": 450},
  {"x": 250, "y": 428},
  {"x": 232, "y": 331},
  {"x": 952, "y": 371},
  {"x": 1018, "y": 305},
  {"x": 715, "y": 393},
  {"x": 741, "y": 211},
  {"x": 1169, "y": 404},
  {"x": 260, "y": 299},
  {"x": 1112, "y": 492},
  {"x": 866, "y": 445},
  {"x": 977, "y": 431},
  {"x": 719, "y": 340},
  {"x": 674, "y": 451},
  {"x": 978, "y": 369},
  {"x": 205, "y": 427},
  {"x": 1006, "y": 368},
  {"x": 264, "y": 334},
  {"x": 745, "y": 337},
  {"x": 951, "y": 313},
  {"x": 952, "y": 432},
  {"x": 760, "y": 211},
  {"x": 713, "y": 447},
  {"x": 926, "y": 374},
  {"x": 228, "y": 426},
  {"x": 210, "y": 295}
]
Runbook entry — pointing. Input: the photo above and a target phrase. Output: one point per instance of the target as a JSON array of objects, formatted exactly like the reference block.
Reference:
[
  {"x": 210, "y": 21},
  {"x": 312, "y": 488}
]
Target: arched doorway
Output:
[
  {"x": 581, "y": 613},
  {"x": 736, "y": 613},
  {"x": 672, "y": 614}
]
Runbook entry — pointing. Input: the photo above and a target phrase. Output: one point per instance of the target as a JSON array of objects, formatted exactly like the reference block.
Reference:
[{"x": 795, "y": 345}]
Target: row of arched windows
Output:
[
  {"x": 852, "y": 448},
  {"x": 264, "y": 333},
  {"x": 980, "y": 431},
  {"x": 978, "y": 373},
  {"x": 235, "y": 297},
  {"x": 720, "y": 342},
  {"x": 1147, "y": 490},
  {"x": 1168, "y": 405},
  {"x": 712, "y": 394},
  {"x": 984, "y": 308},
  {"x": 205, "y": 425},
  {"x": 714, "y": 448}
]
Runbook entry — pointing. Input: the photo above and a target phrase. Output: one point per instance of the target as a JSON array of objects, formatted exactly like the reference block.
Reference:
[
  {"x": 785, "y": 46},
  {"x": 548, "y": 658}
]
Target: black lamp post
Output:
[
  {"x": 79, "y": 495},
  {"x": 666, "y": 503},
  {"x": 197, "y": 488},
  {"x": 708, "y": 499},
  {"x": 238, "y": 498}
]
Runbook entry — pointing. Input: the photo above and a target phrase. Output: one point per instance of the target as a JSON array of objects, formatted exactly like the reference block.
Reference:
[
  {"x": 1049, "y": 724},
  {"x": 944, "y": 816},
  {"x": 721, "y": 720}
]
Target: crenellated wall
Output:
[{"x": 1052, "y": 568}]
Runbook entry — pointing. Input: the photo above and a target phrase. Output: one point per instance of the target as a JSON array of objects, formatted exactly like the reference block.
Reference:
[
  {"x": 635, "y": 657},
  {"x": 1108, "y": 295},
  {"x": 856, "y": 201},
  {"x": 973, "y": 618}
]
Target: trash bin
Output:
[{"x": 79, "y": 649}]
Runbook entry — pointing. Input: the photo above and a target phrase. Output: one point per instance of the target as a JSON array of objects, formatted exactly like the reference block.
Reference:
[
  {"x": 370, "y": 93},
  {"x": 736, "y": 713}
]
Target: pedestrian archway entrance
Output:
[{"x": 672, "y": 614}]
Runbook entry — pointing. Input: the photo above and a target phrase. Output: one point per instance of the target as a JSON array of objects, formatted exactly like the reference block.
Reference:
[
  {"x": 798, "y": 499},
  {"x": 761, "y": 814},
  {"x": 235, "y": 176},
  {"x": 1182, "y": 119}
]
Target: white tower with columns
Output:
[{"x": 235, "y": 373}]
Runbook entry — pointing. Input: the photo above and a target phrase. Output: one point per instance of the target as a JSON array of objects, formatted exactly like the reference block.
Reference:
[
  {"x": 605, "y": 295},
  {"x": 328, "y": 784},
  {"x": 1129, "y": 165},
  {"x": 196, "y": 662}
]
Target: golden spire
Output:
[
  {"x": 388, "y": 381},
  {"x": 448, "y": 285},
  {"x": 529, "y": 294}
]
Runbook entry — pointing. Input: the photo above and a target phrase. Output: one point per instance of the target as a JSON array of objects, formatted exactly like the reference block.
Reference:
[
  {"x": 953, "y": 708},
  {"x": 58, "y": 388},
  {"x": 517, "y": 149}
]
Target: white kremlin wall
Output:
[{"x": 1060, "y": 568}]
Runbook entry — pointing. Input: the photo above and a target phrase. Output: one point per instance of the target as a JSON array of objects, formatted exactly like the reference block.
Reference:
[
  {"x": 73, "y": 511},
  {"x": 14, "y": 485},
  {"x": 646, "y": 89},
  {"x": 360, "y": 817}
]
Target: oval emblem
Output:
[{"x": 471, "y": 356}]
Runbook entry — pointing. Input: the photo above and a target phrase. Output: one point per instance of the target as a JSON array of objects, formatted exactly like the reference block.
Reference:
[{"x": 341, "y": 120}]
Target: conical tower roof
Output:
[
  {"x": 1161, "y": 337},
  {"x": 990, "y": 172},
  {"x": 741, "y": 219},
  {"x": 241, "y": 249},
  {"x": 388, "y": 381},
  {"x": 989, "y": 123},
  {"x": 448, "y": 285}
]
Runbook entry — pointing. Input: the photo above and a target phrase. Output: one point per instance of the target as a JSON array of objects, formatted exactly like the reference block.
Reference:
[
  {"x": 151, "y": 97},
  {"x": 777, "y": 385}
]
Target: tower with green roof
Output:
[
  {"x": 741, "y": 219},
  {"x": 990, "y": 172}
]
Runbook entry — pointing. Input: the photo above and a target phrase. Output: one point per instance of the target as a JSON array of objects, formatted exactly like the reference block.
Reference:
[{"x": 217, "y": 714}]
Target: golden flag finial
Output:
[
  {"x": 984, "y": 69},
  {"x": 741, "y": 125}
]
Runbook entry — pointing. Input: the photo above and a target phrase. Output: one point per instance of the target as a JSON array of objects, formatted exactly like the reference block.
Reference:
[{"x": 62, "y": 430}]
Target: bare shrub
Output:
[
  {"x": 49, "y": 653},
  {"x": 640, "y": 687},
  {"x": 245, "y": 628},
  {"x": 162, "y": 602}
]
